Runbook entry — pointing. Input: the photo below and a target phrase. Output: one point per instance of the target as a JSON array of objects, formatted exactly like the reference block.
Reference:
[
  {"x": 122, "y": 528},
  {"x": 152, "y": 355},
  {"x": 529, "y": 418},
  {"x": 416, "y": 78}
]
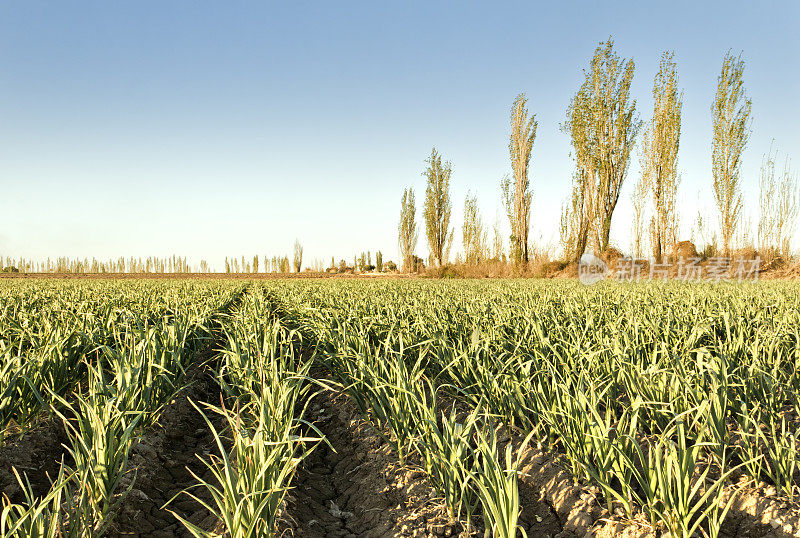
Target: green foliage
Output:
[
  {"x": 437, "y": 207},
  {"x": 655, "y": 393},
  {"x": 731, "y": 115},
  {"x": 517, "y": 193},
  {"x": 602, "y": 124},
  {"x": 407, "y": 229},
  {"x": 639, "y": 387}
]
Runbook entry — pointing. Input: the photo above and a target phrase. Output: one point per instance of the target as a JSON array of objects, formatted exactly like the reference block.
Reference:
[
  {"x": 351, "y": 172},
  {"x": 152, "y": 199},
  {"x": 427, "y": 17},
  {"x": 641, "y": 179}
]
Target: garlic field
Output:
[{"x": 398, "y": 408}]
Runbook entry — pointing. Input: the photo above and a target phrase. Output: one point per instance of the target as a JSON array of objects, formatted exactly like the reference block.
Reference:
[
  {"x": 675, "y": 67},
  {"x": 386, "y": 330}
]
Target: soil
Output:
[
  {"x": 575, "y": 507},
  {"x": 36, "y": 454},
  {"x": 757, "y": 512},
  {"x": 162, "y": 461},
  {"x": 357, "y": 487}
]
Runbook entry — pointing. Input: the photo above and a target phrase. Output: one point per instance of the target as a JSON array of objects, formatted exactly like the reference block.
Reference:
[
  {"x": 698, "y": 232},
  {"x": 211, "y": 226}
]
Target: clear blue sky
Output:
[{"x": 209, "y": 129}]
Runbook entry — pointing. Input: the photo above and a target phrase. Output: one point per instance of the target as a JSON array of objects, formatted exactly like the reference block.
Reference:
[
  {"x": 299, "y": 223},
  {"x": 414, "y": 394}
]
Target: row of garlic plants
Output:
[
  {"x": 45, "y": 331},
  {"x": 459, "y": 451},
  {"x": 260, "y": 430},
  {"x": 127, "y": 382},
  {"x": 50, "y": 329},
  {"x": 658, "y": 393}
]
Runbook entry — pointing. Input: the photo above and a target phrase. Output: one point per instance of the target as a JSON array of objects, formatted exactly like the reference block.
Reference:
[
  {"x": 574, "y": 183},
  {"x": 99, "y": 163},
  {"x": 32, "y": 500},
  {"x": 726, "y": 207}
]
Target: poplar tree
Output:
[
  {"x": 731, "y": 114},
  {"x": 778, "y": 200},
  {"x": 298, "y": 256},
  {"x": 578, "y": 214},
  {"x": 602, "y": 124},
  {"x": 497, "y": 239},
  {"x": 638, "y": 200},
  {"x": 659, "y": 160},
  {"x": 517, "y": 193},
  {"x": 474, "y": 235},
  {"x": 407, "y": 229},
  {"x": 437, "y": 207}
]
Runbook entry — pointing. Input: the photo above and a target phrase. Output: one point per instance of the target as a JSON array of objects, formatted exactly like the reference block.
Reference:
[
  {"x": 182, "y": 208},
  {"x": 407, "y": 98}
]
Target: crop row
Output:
[
  {"x": 666, "y": 396},
  {"x": 104, "y": 359},
  {"x": 658, "y": 394}
]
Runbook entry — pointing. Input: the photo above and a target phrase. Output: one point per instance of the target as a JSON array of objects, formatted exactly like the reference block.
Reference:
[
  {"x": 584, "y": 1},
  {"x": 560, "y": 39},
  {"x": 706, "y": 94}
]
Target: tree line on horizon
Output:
[
  {"x": 603, "y": 125},
  {"x": 65, "y": 264},
  {"x": 180, "y": 265}
]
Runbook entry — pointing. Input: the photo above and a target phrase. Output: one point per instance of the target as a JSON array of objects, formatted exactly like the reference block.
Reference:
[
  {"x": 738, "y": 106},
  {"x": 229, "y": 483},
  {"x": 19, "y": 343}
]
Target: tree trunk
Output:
[{"x": 605, "y": 234}]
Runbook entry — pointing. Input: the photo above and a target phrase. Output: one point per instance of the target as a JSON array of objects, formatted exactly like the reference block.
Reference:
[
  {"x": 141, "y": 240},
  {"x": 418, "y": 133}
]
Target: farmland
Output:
[{"x": 398, "y": 407}]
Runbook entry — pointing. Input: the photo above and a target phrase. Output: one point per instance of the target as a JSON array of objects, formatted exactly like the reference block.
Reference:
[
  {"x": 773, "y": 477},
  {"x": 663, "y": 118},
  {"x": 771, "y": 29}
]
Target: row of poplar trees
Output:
[
  {"x": 603, "y": 126},
  {"x": 437, "y": 207}
]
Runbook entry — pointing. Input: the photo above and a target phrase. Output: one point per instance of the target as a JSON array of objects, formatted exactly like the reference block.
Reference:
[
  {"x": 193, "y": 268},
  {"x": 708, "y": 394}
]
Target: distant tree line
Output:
[
  {"x": 151, "y": 264},
  {"x": 175, "y": 264}
]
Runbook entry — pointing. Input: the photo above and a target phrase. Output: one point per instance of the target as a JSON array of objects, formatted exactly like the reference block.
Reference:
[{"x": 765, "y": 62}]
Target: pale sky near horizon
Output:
[{"x": 220, "y": 129}]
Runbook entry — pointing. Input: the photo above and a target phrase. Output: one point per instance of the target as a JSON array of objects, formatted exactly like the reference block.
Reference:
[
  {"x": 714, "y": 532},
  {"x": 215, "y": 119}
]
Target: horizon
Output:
[{"x": 136, "y": 130}]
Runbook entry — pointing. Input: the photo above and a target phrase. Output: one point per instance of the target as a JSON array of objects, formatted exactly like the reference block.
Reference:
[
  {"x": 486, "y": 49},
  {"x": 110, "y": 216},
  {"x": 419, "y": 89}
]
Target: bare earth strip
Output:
[
  {"x": 358, "y": 487},
  {"x": 162, "y": 462}
]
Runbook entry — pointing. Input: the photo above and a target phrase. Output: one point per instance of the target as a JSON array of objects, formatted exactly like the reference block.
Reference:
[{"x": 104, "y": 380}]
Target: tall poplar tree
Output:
[
  {"x": 602, "y": 124},
  {"x": 517, "y": 193},
  {"x": 437, "y": 207},
  {"x": 407, "y": 229},
  {"x": 298, "y": 256},
  {"x": 474, "y": 234},
  {"x": 731, "y": 114},
  {"x": 659, "y": 161}
]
